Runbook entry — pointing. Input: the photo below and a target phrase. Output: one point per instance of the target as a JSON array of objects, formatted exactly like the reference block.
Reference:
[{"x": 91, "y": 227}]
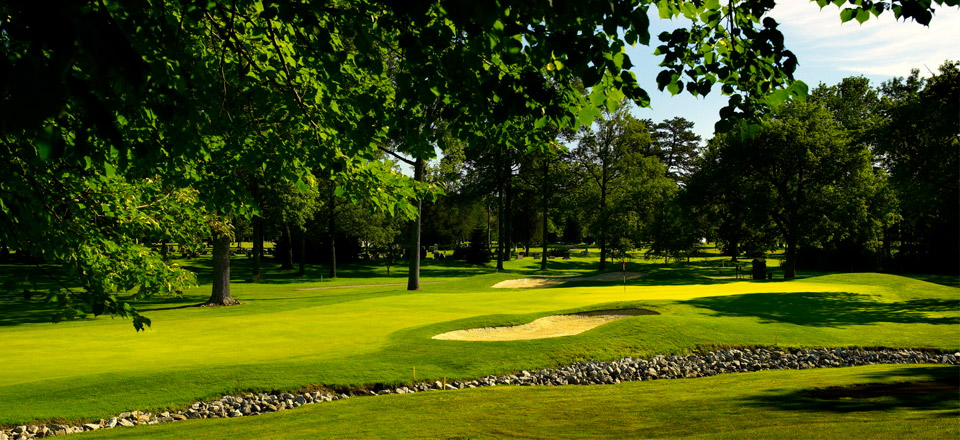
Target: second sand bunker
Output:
[{"x": 558, "y": 280}]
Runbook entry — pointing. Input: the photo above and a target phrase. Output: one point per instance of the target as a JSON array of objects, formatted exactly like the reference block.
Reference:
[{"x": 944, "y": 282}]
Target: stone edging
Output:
[{"x": 580, "y": 373}]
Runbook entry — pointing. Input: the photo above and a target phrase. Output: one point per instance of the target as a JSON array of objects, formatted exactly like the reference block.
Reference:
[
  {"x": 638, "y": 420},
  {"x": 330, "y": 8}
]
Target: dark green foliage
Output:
[
  {"x": 918, "y": 142},
  {"x": 677, "y": 147},
  {"x": 799, "y": 180},
  {"x": 477, "y": 252},
  {"x": 621, "y": 186}
]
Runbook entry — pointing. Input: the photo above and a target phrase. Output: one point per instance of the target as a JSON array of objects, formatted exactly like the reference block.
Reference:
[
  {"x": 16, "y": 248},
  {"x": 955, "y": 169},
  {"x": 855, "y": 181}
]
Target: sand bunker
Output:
[
  {"x": 546, "y": 327},
  {"x": 556, "y": 281}
]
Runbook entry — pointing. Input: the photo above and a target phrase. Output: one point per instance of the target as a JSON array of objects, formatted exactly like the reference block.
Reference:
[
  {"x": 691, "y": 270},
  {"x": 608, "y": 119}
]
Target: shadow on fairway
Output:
[
  {"x": 828, "y": 309},
  {"x": 531, "y": 266},
  {"x": 23, "y": 297},
  {"x": 241, "y": 270},
  {"x": 17, "y": 311},
  {"x": 921, "y": 388}
]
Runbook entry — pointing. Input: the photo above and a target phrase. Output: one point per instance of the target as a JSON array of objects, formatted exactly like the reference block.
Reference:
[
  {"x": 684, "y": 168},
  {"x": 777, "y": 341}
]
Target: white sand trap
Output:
[
  {"x": 556, "y": 281},
  {"x": 546, "y": 327}
]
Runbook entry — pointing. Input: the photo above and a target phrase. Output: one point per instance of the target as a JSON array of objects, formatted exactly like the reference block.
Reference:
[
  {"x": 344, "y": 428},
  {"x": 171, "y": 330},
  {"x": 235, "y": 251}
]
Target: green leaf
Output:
[
  {"x": 618, "y": 60},
  {"x": 847, "y": 15},
  {"x": 674, "y": 87},
  {"x": 863, "y": 15},
  {"x": 641, "y": 25},
  {"x": 540, "y": 123},
  {"x": 587, "y": 115}
]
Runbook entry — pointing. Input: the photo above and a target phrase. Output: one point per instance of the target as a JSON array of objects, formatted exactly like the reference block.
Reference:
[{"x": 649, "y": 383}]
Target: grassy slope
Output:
[
  {"x": 913, "y": 402},
  {"x": 284, "y": 338}
]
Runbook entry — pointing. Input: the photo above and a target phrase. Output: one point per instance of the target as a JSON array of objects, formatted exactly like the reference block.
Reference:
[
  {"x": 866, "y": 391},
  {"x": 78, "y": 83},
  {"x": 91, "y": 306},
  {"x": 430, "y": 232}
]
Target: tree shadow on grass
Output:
[
  {"x": 925, "y": 388},
  {"x": 17, "y": 310},
  {"x": 696, "y": 272},
  {"x": 241, "y": 270},
  {"x": 23, "y": 297},
  {"x": 828, "y": 309},
  {"x": 531, "y": 266}
]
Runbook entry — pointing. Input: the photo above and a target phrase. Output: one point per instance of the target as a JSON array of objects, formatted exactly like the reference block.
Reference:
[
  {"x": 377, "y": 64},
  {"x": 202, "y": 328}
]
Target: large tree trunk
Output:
[
  {"x": 220, "y": 296},
  {"x": 332, "y": 230},
  {"x": 790, "y": 263},
  {"x": 286, "y": 259},
  {"x": 413, "y": 277},
  {"x": 257, "y": 249}
]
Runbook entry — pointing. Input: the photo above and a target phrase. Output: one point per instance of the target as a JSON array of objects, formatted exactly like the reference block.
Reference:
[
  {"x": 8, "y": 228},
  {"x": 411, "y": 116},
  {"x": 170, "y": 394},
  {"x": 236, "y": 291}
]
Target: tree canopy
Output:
[{"x": 102, "y": 103}]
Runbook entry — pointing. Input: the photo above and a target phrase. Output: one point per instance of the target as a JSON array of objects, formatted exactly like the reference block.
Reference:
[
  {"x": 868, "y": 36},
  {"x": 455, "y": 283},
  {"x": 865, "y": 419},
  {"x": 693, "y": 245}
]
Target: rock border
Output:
[{"x": 733, "y": 360}]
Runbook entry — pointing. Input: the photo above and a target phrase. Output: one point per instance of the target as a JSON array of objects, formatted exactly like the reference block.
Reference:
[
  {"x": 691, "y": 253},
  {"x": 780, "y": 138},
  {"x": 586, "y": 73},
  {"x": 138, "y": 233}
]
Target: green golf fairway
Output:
[
  {"x": 878, "y": 401},
  {"x": 283, "y": 338}
]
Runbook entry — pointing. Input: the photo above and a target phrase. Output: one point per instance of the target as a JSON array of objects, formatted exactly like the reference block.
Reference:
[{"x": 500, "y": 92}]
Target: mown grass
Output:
[
  {"x": 882, "y": 401},
  {"x": 283, "y": 338}
]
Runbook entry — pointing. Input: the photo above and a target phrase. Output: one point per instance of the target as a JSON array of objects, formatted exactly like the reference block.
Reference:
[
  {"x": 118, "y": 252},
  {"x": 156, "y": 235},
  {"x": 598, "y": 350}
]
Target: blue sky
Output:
[{"x": 827, "y": 50}]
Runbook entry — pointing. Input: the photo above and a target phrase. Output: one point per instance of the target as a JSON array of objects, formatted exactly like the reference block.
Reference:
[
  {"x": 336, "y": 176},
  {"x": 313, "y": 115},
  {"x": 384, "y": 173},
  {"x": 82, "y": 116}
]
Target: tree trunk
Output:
[
  {"x": 885, "y": 253},
  {"x": 790, "y": 264},
  {"x": 545, "y": 208},
  {"x": 332, "y": 230},
  {"x": 500, "y": 243},
  {"x": 489, "y": 242},
  {"x": 220, "y": 296},
  {"x": 734, "y": 250},
  {"x": 508, "y": 215},
  {"x": 603, "y": 228},
  {"x": 303, "y": 253},
  {"x": 413, "y": 277},
  {"x": 257, "y": 249},
  {"x": 286, "y": 259}
]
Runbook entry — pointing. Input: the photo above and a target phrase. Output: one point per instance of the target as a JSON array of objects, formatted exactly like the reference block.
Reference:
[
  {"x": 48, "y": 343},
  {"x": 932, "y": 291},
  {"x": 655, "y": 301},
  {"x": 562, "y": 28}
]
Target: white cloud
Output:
[{"x": 880, "y": 46}]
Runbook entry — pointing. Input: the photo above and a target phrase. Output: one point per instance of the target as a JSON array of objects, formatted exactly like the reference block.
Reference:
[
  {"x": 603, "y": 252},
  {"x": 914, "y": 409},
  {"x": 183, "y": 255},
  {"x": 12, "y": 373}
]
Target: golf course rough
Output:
[{"x": 581, "y": 373}]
